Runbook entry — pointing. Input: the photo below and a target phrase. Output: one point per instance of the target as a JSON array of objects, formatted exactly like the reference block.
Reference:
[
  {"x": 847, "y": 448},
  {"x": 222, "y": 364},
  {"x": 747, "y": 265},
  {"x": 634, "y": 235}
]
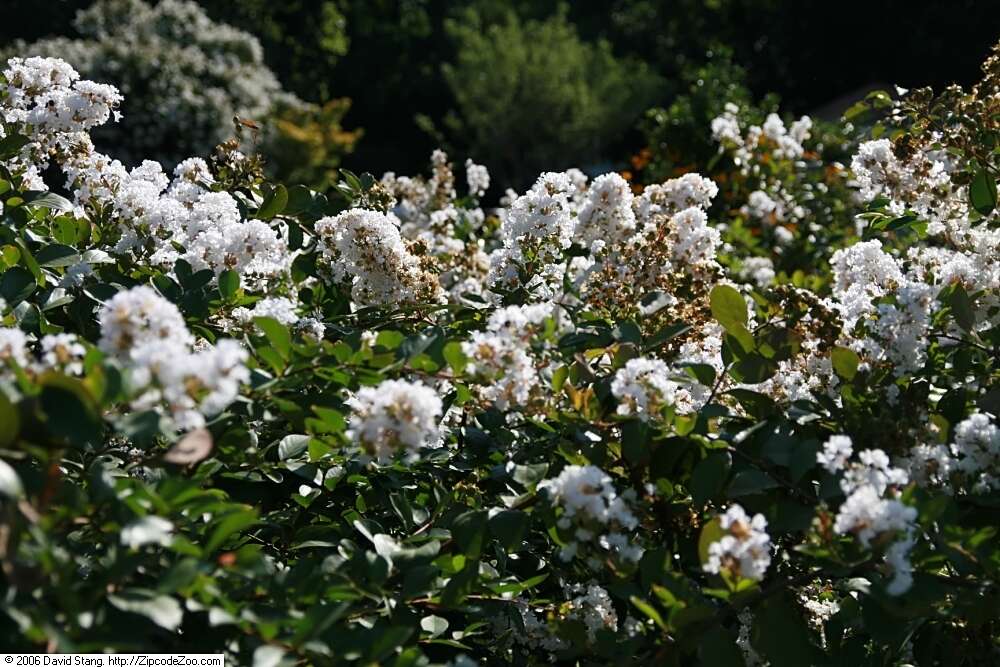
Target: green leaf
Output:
[
  {"x": 510, "y": 527},
  {"x": 277, "y": 335},
  {"x": 69, "y": 409},
  {"x": 961, "y": 306},
  {"x": 455, "y": 357},
  {"x": 750, "y": 481},
  {"x": 10, "y": 421},
  {"x": 728, "y": 307},
  {"x": 274, "y": 203},
  {"x": 163, "y": 610},
  {"x": 12, "y": 144},
  {"x": 268, "y": 656},
  {"x": 983, "y": 192},
  {"x": 229, "y": 524},
  {"x": 16, "y": 285},
  {"x": 781, "y": 635},
  {"x": 56, "y": 255},
  {"x": 469, "y": 532},
  {"x": 49, "y": 200},
  {"x": 711, "y": 532},
  {"x": 845, "y": 362},
  {"x": 292, "y": 445},
  {"x": 229, "y": 283},
  {"x": 649, "y": 610},
  {"x": 717, "y": 647},
  {"x": 10, "y": 483},
  {"x": 389, "y": 339},
  {"x": 433, "y": 625},
  {"x": 709, "y": 476}
]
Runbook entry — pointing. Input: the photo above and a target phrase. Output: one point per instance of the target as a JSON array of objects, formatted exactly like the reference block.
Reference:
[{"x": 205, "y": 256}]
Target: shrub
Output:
[
  {"x": 530, "y": 92},
  {"x": 390, "y": 426}
]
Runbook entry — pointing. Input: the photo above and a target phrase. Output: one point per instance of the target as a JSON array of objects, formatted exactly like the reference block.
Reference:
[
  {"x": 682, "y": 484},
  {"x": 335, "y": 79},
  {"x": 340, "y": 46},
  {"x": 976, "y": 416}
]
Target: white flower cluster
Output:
[
  {"x": 536, "y": 229},
  {"x": 63, "y": 352},
  {"x": 745, "y": 549},
  {"x": 448, "y": 228},
  {"x": 588, "y": 604},
  {"x": 152, "y": 214},
  {"x": 606, "y": 214},
  {"x": 895, "y": 308},
  {"x": 786, "y": 142},
  {"x": 282, "y": 309},
  {"x": 395, "y": 416},
  {"x": 644, "y": 389},
  {"x": 921, "y": 183},
  {"x": 147, "y": 334},
  {"x": 971, "y": 463},
  {"x": 365, "y": 248},
  {"x": 53, "y": 107},
  {"x": 590, "y": 506},
  {"x": 871, "y": 508},
  {"x": 478, "y": 178},
  {"x": 505, "y": 360}
]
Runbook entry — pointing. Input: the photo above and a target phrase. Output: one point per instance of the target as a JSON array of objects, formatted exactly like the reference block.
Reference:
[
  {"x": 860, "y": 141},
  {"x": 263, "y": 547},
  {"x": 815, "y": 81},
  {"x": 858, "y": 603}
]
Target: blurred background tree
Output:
[
  {"x": 530, "y": 95},
  {"x": 404, "y": 60}
]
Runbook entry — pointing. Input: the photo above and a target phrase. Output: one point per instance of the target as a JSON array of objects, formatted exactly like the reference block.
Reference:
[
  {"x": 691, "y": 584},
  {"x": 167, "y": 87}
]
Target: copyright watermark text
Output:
[{"x": 112, "y": 660}]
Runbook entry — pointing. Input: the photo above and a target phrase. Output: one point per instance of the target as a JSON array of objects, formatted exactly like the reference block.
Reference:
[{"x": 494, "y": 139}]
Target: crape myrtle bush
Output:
[
  {"x": 388, "y": 426},
  {"x": 786, "y": 197}
]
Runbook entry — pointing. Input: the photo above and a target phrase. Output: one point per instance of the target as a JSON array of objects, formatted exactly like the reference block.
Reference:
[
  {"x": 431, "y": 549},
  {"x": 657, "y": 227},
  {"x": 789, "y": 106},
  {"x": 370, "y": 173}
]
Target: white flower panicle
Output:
[
  {"x": 745, "y": 548},
  {"x": 594, "y": 516},
  {"x": 607, "y": 213},
  {"x": 133, "y": 320},
  {"x": 836, "y": 453},
  {"x": 976, "y": 453},
  {"x": 644, "y": 389},
  {"x": 871, "y": 508},
  {"x": 366, "y": 249},
  {"x": 395, "y": 417},
  {"x": 13, "y": 347},
  {"x": 147, "y": 334},
  {"x": 478, "y": 178}
]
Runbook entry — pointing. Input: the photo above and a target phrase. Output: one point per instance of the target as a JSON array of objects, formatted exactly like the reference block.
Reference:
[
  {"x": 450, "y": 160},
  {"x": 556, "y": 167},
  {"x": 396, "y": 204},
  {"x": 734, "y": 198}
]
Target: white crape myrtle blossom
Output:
[
  {"x": 921, "y": 183},
  {"x": 502, "y": 368},
  {"x": 13, "y": 348},
  {"x": 63, "y": 351},
  {"x": 135, "y": 319},
  {"x": 538, "y": 225},
  {"x": 147, "y": 334},
  {"x": 506, "y": 360},
  {"x": 837, "y": 451},
  {"x": 726, "y": 127},
  {"x": 644, "y": 388},
  {"x": 589, "y": 604},
  {"x": 871, "y": 508},
  {"x": 593, "y": 607},
  {"x": 757, "y": 270},
  {"x": 607, "y": 213},
  {"x": 478, "y": 178},
  {"x": 47, "y": 97},
  {"x": 395, "y": 417},
  {"x": 750, "y": 655},
  {"x": 745, "y": 549},
  {"x": 365, "y": 249},
  {"x": 894, "y": 307},
  {"x": 593, "y": 514},
  {"x": 976, "y": 452},
  {"x": 280, "y": 308}
]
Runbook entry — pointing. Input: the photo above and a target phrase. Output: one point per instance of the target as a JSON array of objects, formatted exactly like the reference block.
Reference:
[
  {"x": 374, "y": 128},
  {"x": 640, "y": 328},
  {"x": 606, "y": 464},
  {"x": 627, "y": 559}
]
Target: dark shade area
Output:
[{"x": 387, "y": 55}]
